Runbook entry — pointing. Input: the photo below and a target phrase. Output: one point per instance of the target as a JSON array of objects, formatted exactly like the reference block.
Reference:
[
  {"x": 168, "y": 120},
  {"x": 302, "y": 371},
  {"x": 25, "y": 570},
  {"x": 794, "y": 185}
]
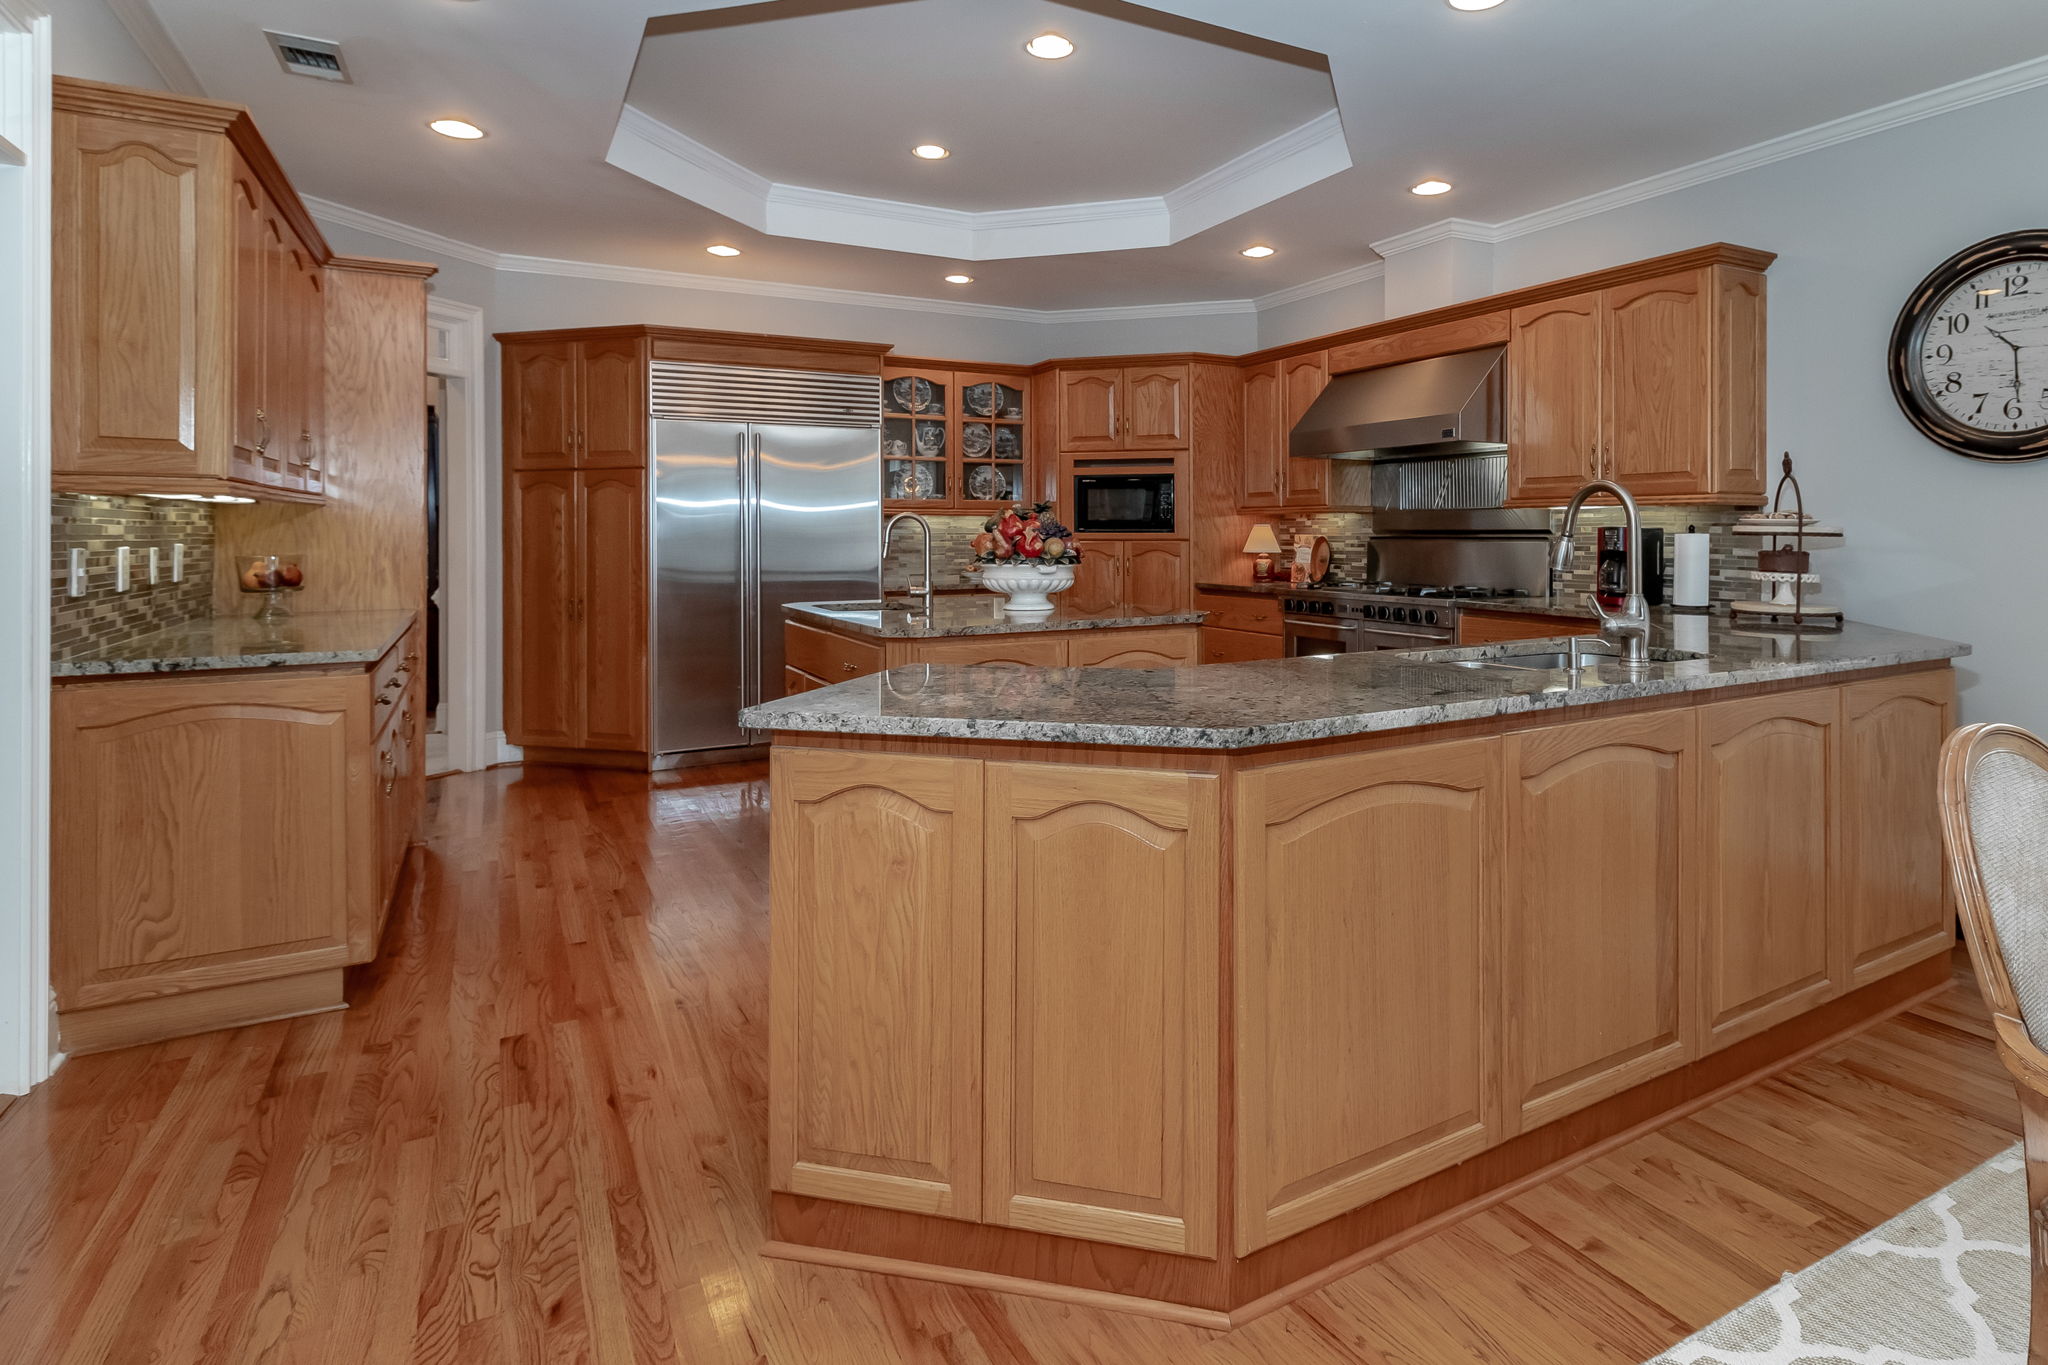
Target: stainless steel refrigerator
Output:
[{"x": 767, "y": 490}]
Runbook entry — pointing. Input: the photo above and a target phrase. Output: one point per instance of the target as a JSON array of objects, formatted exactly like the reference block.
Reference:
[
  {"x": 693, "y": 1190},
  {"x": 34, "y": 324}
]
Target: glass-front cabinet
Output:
[{"x": 954, "y": 439}]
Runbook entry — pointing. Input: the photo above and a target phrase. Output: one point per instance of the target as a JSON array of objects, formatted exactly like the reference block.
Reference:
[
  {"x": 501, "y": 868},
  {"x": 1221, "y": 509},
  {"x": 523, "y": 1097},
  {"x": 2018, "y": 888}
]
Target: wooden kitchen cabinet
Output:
[
  {"x": 1223, "y": 646},
  {"x": 874, "y": 1023},
  {"x": 991, "y": 651},
  {"x": 1656, "y": 383},
  {"x": 1151, "y": 577},
  {"x": 957, "y": 436},
  {"x": 1134, "y": 408},
  {"x": 1599, "y": 815},
  {"x": 1276, "y": 395},
  {"x": 1172, "y": 647},
  {"x": 1367, "y": 908},
  {"x": 1102, "y": 1005},
  {"x": 575, "y": 403},
  {"x": 1770, "y": 912},
  {"x": 1893, "y": 879},
  {"x": 575, "y": 609},
  {"x": 1262, "y": 471},
  {"x": 186, "y": 303}
]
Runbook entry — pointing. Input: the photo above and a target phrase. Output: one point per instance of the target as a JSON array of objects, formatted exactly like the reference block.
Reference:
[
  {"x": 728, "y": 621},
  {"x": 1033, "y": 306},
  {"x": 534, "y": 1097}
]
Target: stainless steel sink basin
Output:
[
  {"x": 1558, "y": 660},
  {"x": 848, "y": 606}
]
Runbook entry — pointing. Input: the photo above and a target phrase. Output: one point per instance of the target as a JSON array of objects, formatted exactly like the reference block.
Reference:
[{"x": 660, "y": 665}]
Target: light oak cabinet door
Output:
[
  {"x": 1598, "y": 925},
  {"x": 1302, "y": 380},
  {"x": 249, "y": 210},
  {"x": 1221, "y": 645},
  {"x": 611, "y": 607},
  {"x": 1156, "y": 580},
  {"x": 1892, "y": 871},
  {"x": 309, "y": 363},
  {"x": 993, "y": 651},
  {"x": 1769, "y": 913},
  {"x": 1090, "y": 409},
  {"x": 1262, "y": 473},
  {"x": 541, "y": 405},
  {"x": 1655, "y": 396},
  {"x": 1174, "y": 647},
  {"x": 611, "y": 403},
  {"x": 1155, "y": 408},
  {"x": 1099, "y": 578},
  {"x": 1553, "y": 398},
  {"x": 875, "y": 1007},
  {"x": 544, "y": 676},
  {"x": 1367, "y": 978},
  {"x": 1102, "y": 1005}
]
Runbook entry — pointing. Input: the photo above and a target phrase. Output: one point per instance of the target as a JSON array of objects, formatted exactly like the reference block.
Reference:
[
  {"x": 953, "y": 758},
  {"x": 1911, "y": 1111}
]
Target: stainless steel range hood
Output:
[{"x": 1447, "y": 405}]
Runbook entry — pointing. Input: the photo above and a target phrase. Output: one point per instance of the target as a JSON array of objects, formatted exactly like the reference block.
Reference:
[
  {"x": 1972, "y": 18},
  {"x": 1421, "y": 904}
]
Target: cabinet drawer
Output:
[
  {"x": 391, "y": 680},
  {"x": 1132, "y": 649},
  {"x": 1221, "y": 646},
  {"x": 1005, "y": 651},
  {"x": 1232, "y": 611},
  {"x": 1491, "y": 627},
  {"x": 833, "y": 658},
  {"x": 795, "y": 680}
]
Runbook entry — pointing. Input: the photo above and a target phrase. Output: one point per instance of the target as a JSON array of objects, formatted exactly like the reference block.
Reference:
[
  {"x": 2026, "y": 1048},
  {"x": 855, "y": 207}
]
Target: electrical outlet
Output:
[
  {"x": 156, "y": 572},
  {"x": 177, "y": 561},
  {"x": 122, "y": 557}
]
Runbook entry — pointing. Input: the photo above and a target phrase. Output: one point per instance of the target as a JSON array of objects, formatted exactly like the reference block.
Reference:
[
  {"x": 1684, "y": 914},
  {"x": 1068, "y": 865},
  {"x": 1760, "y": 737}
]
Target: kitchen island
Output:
[{"x": 1186, "y": 990}]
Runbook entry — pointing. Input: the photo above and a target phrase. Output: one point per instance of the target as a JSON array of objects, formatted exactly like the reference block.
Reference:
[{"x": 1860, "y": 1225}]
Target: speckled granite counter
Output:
[
  {"x": 1245, "y": 705},
  {"x": 981, "y": 614},
  {"x": 219, "y": 643}
]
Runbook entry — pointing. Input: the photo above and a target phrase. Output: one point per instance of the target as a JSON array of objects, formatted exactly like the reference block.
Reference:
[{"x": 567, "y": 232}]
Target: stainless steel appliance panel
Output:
[
  {"x": 701, "y": 625},
  {"x": 818, "y": 502}
]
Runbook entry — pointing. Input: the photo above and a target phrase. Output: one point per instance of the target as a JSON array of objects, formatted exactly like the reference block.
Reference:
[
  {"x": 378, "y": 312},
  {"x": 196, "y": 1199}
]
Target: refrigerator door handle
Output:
[{"x": 750, "y": 567}]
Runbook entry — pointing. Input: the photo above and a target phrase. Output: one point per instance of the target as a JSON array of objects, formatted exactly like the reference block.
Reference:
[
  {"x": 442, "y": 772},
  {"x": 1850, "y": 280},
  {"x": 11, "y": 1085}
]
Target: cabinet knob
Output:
[{"x": 849, "y": 668}]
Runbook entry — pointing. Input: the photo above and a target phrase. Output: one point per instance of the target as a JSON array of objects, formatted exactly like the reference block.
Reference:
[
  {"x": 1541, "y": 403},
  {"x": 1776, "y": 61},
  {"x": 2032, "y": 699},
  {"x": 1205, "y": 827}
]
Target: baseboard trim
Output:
[
  {"x": 497, "y": 753},
  {"x": 156, "y": 1018}
]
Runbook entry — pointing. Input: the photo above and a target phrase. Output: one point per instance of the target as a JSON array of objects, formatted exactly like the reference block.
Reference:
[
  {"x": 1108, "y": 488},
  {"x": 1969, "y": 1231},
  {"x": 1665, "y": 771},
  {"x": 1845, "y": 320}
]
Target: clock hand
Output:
[{"x": 2015, "y": 355}]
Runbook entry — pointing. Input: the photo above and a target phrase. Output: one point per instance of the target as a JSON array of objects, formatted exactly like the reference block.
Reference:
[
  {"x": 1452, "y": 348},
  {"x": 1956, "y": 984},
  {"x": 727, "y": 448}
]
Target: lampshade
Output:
[{"x": 1262, "y": 541}]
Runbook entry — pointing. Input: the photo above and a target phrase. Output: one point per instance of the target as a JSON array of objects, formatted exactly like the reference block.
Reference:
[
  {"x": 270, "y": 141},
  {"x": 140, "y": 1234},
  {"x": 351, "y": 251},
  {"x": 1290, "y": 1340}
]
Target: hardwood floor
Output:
[{"x": 539, "y": 1135}]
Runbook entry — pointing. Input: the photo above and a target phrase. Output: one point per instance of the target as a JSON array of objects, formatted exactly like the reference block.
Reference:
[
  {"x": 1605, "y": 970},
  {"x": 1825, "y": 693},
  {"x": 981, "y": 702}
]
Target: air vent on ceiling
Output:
[{"x": 314, "y": 57}]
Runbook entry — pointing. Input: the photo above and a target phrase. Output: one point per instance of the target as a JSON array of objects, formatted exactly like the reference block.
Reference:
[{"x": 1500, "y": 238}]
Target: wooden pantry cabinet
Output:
[
  {"x": 575, "y": 402},
  {"x": 188, "y": 302}
]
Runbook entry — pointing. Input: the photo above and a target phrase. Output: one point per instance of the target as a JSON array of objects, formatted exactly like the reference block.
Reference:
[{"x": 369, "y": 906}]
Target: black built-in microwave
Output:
[{"x": 1120, "y": 504}]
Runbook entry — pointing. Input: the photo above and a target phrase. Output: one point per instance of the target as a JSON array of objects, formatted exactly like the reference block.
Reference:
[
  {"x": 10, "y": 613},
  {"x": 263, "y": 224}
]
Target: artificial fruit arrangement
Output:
[{"x": 1026, "y": 535}]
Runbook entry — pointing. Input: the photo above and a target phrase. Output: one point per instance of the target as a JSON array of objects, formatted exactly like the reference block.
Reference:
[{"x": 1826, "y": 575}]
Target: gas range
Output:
[{"x": 1354, "y": 618}]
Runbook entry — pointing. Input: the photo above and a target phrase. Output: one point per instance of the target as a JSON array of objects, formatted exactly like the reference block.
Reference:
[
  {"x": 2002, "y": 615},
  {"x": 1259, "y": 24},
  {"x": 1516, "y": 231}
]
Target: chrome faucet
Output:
[
  {"x": 1630, "y": 626},
  {"x": 888, "y": 528}
]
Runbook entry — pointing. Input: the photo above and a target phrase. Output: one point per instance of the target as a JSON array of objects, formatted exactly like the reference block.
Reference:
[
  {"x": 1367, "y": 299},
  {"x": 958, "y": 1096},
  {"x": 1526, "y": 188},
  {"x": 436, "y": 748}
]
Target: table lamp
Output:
[{"x": 1263, "y": 543}]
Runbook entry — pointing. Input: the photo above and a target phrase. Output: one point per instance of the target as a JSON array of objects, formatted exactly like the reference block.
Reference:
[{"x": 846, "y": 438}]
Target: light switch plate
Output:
[
  {"x": 177, "y": 561},
  {"x": 78, "y": 573},
  {"x": 156, "y": 571},
  {"x": 122, "y": 578}
]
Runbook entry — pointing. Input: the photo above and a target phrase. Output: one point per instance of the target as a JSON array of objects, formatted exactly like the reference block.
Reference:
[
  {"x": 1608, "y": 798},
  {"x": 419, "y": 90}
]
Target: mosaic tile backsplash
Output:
[{"x": 99, "y": 526}]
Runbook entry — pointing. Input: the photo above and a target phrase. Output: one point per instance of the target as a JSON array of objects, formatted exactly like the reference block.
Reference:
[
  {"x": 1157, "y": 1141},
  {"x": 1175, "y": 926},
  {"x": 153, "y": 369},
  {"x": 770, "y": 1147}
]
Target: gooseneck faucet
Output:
[
  {"x": 1631, "y": 625},
  {"x": 888, "y": 528}
]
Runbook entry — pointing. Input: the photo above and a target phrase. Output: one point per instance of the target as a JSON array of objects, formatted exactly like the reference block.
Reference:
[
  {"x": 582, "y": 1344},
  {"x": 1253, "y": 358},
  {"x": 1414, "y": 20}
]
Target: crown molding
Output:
[
  {"x": 341, "y": 215},
  {"x": 1327, "y": 284},
  {"x": 1292, "y": 161},
  {"x": 21, "y": 15},
  {"x": 158, "y": 47},
  {"x": 1443, "y": 230}
]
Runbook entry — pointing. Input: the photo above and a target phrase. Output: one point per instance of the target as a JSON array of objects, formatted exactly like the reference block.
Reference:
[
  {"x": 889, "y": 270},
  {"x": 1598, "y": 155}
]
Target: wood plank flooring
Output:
[{"x": 539, "y": 1136}]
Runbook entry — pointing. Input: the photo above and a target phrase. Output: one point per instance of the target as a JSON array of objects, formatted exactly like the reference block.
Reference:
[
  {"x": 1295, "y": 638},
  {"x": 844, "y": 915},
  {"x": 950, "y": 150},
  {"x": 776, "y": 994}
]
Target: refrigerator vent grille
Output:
[{"x": 727, "y": 393}]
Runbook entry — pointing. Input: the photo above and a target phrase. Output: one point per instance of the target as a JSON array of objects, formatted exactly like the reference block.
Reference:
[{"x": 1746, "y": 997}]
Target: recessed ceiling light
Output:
[
  {"x": 456, "y": 128},
  {"x": 1053, "y": 46},
  {"x": 1475, "y": 4},
  {"x": 1429, "y": 187},
  {"x": 930, "y": 151},
  {"x": 959, "y": 279},
  {"x": 721, "y": 249},
  {"x": 1257, "y": 253}
]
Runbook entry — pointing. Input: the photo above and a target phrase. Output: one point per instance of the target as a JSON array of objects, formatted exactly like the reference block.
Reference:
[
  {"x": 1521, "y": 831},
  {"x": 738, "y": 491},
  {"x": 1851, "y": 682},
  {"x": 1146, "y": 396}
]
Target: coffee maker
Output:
[{"x": 1611, "y": 582}]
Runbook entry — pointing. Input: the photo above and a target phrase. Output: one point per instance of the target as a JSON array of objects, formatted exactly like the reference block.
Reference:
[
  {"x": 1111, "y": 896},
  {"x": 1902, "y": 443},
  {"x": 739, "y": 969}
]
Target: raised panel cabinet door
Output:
[
  {"x": 993, "y": 651},
  {"x": 206, "y": 833},
  {"x": 311, "y": 335},
  {"x": 1156, "y": 408},
  {"x": 875, "y": 987},
  {"x": 1262, "y": 480},
  {"x": 1090, "y": 409},
  {"x": 1598, "y": 924},
  {"x": 540, "y": 405},
  {"x": 1102, "y": 1003},
  {"x": 1098, "y": 578},
  {"x": 1367, "y": 978},
  {"x": 1739, "y": 459},
  {"x": 543, "y": 640},
  {"x": 1221, "y": 645},
  {"x": 283, "y": 392},
  {"x": 249, "y": 209},
  {"x": 1769, "y": 914},
  {"x": 1553, "y": 398},
  {"x": 1302, "y": 380},
  {"x": 1156, "y": 581},
  {"x": 1174, "y": 647},
  {"x": 611, "y": 605},
  {"x": 1654, "y": 392},
  {"x": 142, "y": 298},
  {"x": 1892, "y": 870},
  {"x": 612, "y": 403}
]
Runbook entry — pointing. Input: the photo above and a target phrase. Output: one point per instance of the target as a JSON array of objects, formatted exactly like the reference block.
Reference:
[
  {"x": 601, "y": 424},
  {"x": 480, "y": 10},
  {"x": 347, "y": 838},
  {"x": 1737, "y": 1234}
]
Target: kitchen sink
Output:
[
  {"x": 1550, "y": 659},
  {"x": 847, "y": 606}
]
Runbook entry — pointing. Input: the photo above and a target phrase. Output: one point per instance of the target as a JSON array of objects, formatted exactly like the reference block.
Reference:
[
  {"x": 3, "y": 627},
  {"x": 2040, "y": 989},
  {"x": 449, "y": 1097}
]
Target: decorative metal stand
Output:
[{"x": 1786, "y": 572}]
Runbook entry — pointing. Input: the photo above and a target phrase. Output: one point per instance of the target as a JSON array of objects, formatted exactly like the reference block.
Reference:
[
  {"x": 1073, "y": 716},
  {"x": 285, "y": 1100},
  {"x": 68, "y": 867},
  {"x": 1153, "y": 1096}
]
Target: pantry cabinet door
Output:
[
  {"x": 543, "y": 649},
  {"x": 1598, "y": 922},
  {"x": 1103, "y": 1004},
  {"x": 612, "y": 403},
  {"x": 611, "y": 607},
  {"x": 540, "y": 405},
  {"x": 1892, "y": 869},
  {"x": 1367, "y": 995},
  {"x": 875, "y": 998}
]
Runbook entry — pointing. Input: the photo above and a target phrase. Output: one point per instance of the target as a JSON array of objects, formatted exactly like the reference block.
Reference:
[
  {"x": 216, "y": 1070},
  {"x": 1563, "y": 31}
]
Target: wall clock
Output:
[{"x": 1969, "y": 356}]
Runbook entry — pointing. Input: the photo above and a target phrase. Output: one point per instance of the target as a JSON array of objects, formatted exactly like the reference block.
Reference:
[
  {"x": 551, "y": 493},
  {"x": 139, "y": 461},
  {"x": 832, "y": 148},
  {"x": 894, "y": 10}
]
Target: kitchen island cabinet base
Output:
[{"x": 1232, "y": 1291}]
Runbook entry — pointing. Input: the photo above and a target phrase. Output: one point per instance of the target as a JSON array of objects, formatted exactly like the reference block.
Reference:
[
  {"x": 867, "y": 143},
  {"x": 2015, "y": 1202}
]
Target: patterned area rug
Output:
[{"x": 1944, "y": 1281}]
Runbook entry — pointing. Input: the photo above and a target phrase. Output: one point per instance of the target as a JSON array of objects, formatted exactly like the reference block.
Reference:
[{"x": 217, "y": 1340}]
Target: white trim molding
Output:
[
  {"x": 158, "y": 47},
  {"x": 643, "y": 145},
  {"x": 455, "y": 351}
]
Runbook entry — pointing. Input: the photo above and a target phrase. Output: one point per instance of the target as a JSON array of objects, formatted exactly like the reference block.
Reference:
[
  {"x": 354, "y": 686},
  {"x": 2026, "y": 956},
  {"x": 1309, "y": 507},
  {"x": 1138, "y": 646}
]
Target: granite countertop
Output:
[
  {"x": 1286, "y": 701},
  {"x": 979, "y": 614},
  {"x": 217, "y": 643}
]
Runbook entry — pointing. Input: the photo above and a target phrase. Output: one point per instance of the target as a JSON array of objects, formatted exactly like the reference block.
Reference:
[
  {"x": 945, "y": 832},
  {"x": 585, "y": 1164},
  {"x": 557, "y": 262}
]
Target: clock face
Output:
[{"x": 1970, "y": 353}]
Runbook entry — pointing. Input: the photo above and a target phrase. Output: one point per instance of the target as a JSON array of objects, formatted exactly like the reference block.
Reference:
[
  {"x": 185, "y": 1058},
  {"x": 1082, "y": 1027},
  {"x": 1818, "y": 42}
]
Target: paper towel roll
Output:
[
  {"x": 1689, "y": 569},
  {"x": 1689, "y": 633}
]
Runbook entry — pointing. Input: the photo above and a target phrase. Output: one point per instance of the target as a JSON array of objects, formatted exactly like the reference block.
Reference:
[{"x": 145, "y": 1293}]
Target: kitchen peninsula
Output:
[{"x": 1185, "y": 990}]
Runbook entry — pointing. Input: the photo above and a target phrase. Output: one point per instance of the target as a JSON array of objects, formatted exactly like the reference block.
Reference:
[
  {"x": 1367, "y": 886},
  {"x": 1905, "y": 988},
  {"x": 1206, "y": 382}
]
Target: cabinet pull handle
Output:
[
  {"x": 390, "y": 771},
  {"x": 263, "y": 438}
]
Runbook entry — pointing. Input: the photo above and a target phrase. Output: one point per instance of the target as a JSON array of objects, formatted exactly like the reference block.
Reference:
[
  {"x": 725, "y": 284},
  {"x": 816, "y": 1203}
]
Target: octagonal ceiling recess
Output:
[{"x": 1156, "y": 128}]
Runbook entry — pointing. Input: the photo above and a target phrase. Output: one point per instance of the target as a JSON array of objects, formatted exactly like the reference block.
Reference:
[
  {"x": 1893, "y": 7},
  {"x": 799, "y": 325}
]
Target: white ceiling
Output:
[{"x": 1523, "y": 107}]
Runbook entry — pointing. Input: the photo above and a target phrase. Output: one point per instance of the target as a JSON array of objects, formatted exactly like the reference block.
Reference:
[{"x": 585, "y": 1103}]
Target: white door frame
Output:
[
  {"x": 455, "y": 351},
  {"x": 27, "y": 1035}
]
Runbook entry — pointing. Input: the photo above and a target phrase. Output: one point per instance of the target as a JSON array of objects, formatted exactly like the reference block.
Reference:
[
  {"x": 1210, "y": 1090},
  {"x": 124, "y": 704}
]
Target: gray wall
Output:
[{"x": 87, "y": 41}]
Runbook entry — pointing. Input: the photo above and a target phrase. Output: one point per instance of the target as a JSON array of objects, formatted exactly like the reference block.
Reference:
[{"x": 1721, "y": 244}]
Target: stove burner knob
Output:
[
  {"x": 1429, "y": 618},
  {"x": 1329, "y": 608},
  {"x": 1290, "y": 604},
  {"x": 1379, "y": 613}
]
